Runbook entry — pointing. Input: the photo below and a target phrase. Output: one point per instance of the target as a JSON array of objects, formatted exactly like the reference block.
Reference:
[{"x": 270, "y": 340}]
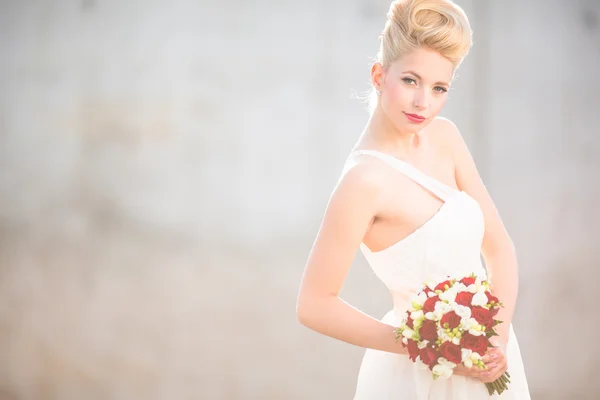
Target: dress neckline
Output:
[
  {"x": 444, "y": 192},
  {"x": 449, "y": 191}
]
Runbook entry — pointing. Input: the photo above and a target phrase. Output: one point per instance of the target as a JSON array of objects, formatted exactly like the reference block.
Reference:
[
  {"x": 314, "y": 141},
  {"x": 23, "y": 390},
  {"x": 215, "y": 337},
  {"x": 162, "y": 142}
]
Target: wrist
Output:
[{"x": 500, "y": 341}]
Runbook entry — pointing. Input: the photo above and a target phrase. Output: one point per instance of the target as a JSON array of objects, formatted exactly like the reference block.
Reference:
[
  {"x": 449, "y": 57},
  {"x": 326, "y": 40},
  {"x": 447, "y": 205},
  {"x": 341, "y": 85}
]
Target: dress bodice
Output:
[{"x": 447, "y": 244}]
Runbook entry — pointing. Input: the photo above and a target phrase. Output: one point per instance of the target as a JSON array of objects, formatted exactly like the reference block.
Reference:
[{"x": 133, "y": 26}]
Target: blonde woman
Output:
[{"x": 411, "y": 198}]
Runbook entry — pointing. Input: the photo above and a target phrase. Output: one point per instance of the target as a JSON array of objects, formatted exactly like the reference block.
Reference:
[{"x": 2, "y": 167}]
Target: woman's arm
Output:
[
  {"x": 350, "y": 211},
  {"x": 497, "y": 247}
]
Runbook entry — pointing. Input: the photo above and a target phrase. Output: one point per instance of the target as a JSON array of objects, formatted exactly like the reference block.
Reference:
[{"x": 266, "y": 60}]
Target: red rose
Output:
[
  {"x": 440, "y": 286},
  {"x": 478, "y": 344},
  {"x": 429, "y": 356},
  {"x": 451, "y": 318},
  {"x": 483, "y": 316},
  {"x": 464, "y": 299},
  {"x": 429, "y": 304},
  {"x": 409, "y": 323},
  {"x": 467, "y": 281},
  {"x": 429, "y": 330},
  {"x": 491, "y": 298},
  {"x": 427, "y": 290},
  {"x": 494, "y": 310},
  {"x": 413, "y": 350},
  {"x": 451, "y": 352}
]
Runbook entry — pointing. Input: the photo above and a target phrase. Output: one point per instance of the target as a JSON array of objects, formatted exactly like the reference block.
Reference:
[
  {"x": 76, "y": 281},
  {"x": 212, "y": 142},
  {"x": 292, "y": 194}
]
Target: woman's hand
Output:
[
  {"x": 473, "y": 372},
  {"x": 496, "y": 365}
]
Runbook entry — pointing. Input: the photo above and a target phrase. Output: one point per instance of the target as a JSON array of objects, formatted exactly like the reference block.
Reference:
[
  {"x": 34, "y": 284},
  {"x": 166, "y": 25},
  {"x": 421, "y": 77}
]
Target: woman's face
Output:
[{"x": 413, "y": 88}]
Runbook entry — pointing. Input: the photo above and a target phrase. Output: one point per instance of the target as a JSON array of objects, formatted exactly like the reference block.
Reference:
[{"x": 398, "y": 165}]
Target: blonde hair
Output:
[{"x": 439, "y": 25}]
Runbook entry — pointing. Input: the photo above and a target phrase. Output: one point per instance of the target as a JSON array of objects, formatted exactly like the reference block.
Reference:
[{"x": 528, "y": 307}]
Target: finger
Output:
[
  {"x": 461, "y": 371},
  {"x": 464, "y": 371},
  {"x": 495, "y": 377},
  {"x": 489, "y": 369},
  {"x": 490, "y": 377},
  {"x": 494, "y": 373},
  {"x": 495, "y": 359},
  {"x": 491, "y": 354}
]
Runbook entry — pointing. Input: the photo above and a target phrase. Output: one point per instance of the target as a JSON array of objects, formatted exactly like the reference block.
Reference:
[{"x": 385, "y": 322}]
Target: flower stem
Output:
[
  {"x": 500, "y": 386},
  {"x": 495, "y": 383}
]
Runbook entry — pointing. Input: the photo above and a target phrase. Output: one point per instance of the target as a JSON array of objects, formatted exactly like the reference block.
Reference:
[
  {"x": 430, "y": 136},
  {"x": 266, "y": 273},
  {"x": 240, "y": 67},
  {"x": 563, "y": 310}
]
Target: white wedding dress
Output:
[{"x": 447, "y": 244}]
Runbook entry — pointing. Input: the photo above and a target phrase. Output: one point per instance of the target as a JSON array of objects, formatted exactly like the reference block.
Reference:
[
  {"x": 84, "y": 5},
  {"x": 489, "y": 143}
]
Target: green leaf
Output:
[{"x": 491, "y": 333}]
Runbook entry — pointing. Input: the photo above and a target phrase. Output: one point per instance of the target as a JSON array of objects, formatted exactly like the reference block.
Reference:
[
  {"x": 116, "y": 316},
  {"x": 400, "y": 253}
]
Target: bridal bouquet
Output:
[{"x": 451, "y": 323}]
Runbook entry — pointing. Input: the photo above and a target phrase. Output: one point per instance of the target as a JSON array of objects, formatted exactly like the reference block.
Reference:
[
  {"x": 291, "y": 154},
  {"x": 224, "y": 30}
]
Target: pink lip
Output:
[{"x": 415, "y": 117}]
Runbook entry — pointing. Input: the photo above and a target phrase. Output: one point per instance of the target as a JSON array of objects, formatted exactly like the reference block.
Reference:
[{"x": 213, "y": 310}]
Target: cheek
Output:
[
  {"x": 398, "y": 94},
  {"x": 439, "y": 102}
]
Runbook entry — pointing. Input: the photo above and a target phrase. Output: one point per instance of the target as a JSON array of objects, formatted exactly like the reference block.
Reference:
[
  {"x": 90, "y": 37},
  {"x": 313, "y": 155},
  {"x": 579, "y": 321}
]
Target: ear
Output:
[{"x": 377, "y": 75}]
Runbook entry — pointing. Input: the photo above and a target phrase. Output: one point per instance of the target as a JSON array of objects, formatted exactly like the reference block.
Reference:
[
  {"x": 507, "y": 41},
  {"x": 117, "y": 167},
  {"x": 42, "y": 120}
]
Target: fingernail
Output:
[
  {"x": 493, "y": 365},
  {"x": 494, "y": 356}
]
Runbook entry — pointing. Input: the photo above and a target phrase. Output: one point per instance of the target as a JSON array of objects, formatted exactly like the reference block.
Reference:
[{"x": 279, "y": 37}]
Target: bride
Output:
[{"x": 411, "y": 199}]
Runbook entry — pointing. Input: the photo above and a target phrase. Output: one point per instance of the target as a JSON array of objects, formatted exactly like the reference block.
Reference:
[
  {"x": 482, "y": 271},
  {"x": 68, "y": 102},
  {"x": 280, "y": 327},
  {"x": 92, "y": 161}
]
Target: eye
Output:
[
  {"x": 409, "y": 80},
  {"x": 440, "y": 89}
]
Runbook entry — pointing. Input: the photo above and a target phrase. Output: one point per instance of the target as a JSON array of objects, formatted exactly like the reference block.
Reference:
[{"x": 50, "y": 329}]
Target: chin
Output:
[{"x": 413, "y": 128}]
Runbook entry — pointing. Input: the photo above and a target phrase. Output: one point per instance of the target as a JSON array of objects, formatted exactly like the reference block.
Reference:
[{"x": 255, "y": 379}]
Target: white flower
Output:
[
  {"x": 480, "y": 299},
  {"x": 468, "y": 323},
  {"x": 445, "y": 362},
  {"x": 475, "y": 332},
  {"x": 431, "y": 294},
  {"x": 475, "y": 356},
  {"x": 472, "y": 288},
  {"x": 443, "y": 335},
  {"x": 430, "y": 316},
  {"x": 459, "y": 287},
  {"x": 465, "y": 354},
  {"x": 415, "y": 315},
  {"x": 423, "y": 344},
  {"x": 456, "y": 340},
  {"x": 468, "y": 363},
  {"x": 417, "y": 300},
  {"x": 444, "y": 369},
  {"x": 462, "y": 311},
  {"x": 404, "y": 340},
  {"x": 408, "y": 333},
  {"x": 449, "y": 295},
  {"x": 441, "y": 308}
]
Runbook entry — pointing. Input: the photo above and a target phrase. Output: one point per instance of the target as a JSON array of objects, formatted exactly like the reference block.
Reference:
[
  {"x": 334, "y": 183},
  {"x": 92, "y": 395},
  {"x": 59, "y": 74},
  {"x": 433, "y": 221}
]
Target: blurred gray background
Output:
[{"x": 165, "y": 165}]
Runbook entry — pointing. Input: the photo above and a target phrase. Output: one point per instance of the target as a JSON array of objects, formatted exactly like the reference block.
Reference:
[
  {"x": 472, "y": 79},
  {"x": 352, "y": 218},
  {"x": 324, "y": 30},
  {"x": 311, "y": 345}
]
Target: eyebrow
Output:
[{"x": 419, "y": 77}]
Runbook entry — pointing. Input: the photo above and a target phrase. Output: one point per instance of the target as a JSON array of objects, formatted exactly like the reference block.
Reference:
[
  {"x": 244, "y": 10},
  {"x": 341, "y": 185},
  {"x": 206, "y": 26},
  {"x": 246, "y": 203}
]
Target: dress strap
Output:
[{"x": 433, "y": 185}]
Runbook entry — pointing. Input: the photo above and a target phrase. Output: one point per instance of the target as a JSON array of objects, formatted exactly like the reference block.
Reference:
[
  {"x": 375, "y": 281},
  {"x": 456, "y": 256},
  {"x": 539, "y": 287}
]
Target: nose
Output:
[{"x": 421, "y": 99}]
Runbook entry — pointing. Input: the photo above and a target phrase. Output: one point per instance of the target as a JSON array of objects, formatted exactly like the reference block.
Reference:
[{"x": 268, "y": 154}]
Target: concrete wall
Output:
[{"x": 165, "y": 165}]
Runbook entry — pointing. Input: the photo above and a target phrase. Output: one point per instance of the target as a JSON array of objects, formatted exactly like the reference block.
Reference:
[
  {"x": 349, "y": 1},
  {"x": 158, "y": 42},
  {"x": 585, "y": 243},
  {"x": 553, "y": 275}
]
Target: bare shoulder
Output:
[
  {"x": 362, "y": 182},
  {"x": 448, "y": 135},
  {"x": 366, "y": 171},
  {"x": 445, "y": 133}
]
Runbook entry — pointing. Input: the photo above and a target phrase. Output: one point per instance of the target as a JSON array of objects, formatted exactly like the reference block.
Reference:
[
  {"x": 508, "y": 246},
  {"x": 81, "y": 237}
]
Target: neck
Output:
[{"x": 381, "y": 132}]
